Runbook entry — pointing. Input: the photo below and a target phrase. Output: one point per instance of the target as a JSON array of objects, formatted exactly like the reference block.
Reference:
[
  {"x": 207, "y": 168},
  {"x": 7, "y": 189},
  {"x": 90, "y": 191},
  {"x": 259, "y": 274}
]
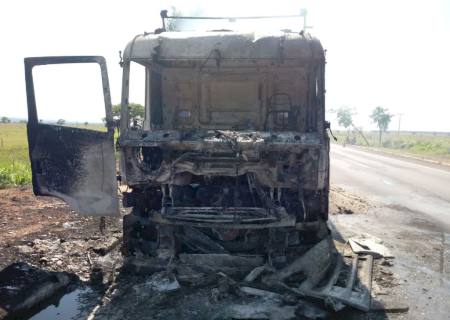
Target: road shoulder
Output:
[{"x": 422, "y": 257}]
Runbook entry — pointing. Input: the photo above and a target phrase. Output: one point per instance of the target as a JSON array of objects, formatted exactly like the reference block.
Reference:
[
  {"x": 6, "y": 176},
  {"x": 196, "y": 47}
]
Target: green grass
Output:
[
  {"x": 13, "y": 144},
  {"x": 14, "y": 161},
  {"x": 434, "y": 146}
]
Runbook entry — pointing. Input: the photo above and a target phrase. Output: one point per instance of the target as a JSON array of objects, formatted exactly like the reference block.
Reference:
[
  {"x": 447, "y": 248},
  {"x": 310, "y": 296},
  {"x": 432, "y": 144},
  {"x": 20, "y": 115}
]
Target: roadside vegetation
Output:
[
  {"x": 435, "y": 146},
  {"x": 429, "y": 145},
  {"x": 14, "y": 163}
]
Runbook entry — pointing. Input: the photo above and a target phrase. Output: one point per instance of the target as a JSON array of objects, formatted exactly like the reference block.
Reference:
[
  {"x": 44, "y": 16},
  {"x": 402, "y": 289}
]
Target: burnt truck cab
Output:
[{"x": 232, "y": 155}]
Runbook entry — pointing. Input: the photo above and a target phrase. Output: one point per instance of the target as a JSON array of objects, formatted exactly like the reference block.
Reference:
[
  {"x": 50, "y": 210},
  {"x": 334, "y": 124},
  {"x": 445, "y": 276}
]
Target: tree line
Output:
[{"x": 136, "y": 112}]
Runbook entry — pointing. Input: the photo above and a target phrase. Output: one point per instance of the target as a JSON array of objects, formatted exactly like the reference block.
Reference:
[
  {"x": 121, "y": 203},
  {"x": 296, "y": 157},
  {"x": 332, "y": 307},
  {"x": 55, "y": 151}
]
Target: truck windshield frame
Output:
[{"x": 176, "y": 98}]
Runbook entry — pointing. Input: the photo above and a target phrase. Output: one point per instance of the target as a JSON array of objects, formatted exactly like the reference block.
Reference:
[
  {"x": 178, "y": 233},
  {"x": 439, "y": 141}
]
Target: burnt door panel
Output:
[{"x": 73, "y": 164}]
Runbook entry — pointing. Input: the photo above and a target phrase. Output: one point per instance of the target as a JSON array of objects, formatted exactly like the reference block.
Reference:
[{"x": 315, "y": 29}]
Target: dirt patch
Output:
[
  {"x": 44, "y": 232},
  {"x": 343, "y": 202}
]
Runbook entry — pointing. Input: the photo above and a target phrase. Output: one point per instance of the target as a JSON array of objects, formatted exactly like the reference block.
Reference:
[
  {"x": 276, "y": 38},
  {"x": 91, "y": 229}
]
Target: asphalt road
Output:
[
  {"x": 410, "y": 213},
  {"x": 405, "y": 185}
]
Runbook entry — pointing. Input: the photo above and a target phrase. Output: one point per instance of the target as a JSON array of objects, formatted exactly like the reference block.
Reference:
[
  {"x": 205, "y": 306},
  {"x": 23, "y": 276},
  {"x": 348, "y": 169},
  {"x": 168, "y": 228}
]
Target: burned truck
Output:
[{"x": 232, "y": 156}]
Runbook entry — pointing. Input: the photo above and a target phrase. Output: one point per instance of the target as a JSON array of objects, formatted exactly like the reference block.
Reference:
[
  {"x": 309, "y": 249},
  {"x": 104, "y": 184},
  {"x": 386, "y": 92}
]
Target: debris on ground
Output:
[
  {"x": 384, "y": 279},
  {"x": 72, "y": 255},
  {"x": 226, "y": 263},
  {"x": 369, "y": 245},
  {"x": 257, "y": 310},
  {"x": 271, "y": 307},
  {"x": 208, "y": 284},
  {"x": 356, "y": 291},
  {"x": 261, "y": 293},
  {"x": 256, "y": 272},
  {"x": 195, "y": 276},
  {"x": 310, "y": 286},
  {"x": 53, "y": 238},
  {"x": 389, "y": 306},
  {"x": 23, "y": 286},
  {"x": 162, "y": 282},
  {"x": 387, "y": 262},
  {"x": 140, "y": 265},
  {"x": 309, "y": 310},
  {"x": 314, "y": 265}
]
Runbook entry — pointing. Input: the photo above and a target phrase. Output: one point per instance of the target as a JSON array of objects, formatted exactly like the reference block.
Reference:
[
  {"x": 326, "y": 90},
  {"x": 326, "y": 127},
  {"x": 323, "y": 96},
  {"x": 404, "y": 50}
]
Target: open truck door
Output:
[{"x": 76, "y": 165}]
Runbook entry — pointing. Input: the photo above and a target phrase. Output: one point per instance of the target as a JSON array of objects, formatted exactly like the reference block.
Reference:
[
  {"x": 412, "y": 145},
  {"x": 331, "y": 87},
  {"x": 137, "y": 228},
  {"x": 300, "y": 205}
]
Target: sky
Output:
[{"x": 394, "y": 54}]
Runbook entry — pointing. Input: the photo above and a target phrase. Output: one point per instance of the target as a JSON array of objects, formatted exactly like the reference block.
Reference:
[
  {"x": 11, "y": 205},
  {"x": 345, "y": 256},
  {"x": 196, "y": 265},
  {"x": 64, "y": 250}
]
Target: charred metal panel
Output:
[
  {"x": 76, "y": 165},
  {"x": 156, "y": 100},
  {"x": 171, "y": 46},
  {"x": 278, "y": 159}
]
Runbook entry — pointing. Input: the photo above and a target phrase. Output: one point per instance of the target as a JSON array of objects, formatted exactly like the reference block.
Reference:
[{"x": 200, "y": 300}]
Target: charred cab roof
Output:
[{"x": 229, "y": 45}]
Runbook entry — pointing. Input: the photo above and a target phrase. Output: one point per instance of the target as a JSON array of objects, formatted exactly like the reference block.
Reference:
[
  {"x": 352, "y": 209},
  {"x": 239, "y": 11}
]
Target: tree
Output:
[
  {"x": 345, "y": 116},
  {"x": 345, "y": 119},
  {"x": 61, "y": 122},
  {"x": 86, "y": 123},
  {"x": 136, "y": 113},
  {"x": 382, "y": 118},
  {"x": 135, "y": 110},
  {"x": 5, "y": 120}
]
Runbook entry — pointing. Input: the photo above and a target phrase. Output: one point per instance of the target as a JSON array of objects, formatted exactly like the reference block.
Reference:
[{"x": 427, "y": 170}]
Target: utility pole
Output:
[{"x": 399, "y": 122}]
